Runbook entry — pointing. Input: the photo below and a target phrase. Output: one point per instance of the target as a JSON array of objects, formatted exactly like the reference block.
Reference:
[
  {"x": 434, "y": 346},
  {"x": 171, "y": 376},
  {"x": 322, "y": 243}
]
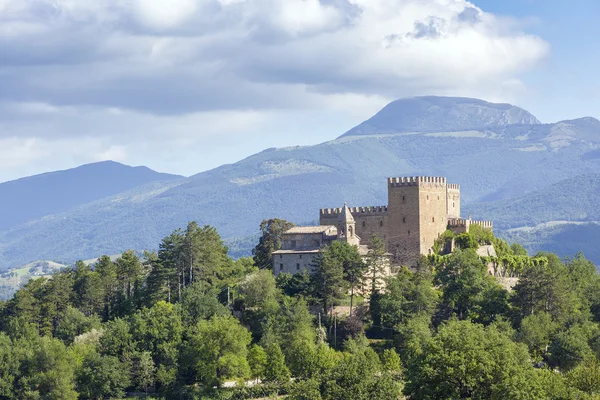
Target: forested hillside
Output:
[{"x": 188, "y": 322}]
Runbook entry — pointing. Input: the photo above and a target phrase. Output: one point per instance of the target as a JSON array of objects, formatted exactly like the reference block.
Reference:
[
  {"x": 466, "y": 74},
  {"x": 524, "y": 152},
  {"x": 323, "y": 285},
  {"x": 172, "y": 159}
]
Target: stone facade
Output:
[{"x": 419, "y": 210}]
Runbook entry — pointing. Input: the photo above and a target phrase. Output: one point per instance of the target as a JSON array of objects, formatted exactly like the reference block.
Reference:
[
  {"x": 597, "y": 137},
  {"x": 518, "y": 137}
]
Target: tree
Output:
[
  {"x": 275, "y": 369},
  {"x": 199, "y": 301},
  {"x": 74, "y": 323},
  {"x": 144, "y": 371},
  {"x": 570, "y": 347},
  {"x": 465, "y": 283},
  {"x": 217, "y": 350},
  {"x": 391, "y": 361},
  {"x": 586, "y": 376},
  {"x": 466, "y": 241},
  {"x": 102, "y": 376},
  {"x": 48, "y": 371},
  {"x": 376, "y": 262},
  {"x": 327, "y": 281},
  {"x": 536, "y": 332},
  {"x": 465, "y": 360},
  {"x": 9, "y": 367},
  {"x": 159, "y": 331},
  {"x": 305, "y": 390},
  {"x": 257, "y": 359},
  {"x": 518, "y": 250},
  {"x": 272, "y": 231},
  {"x": 545, "y": 287}
]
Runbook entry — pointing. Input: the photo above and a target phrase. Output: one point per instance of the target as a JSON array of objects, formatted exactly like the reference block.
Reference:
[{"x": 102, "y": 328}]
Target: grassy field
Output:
[{"x": 13, "y": 279}]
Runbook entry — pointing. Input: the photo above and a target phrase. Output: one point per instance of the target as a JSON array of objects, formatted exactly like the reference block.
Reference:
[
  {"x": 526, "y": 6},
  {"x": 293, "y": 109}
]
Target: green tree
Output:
[
  {"x": 536, "y": 332},
  {"x": 270, "y": 240},
  {"x": 276, "y": 370},
  {"x": 570, "y": 347},
  {"x": 9, "y": 367},
  {"x": 217, "y": 350},
  {"x": 47, "y": 372},
  {"x": 327, "y": 281},
  {"x": 466, "y": 287},
  {"x": 102, "y": 376},
  {"x": 74, "y": 323},
  {"x": 257, "y": 359},
  {"x": 144, "y": 371},
  {"x": 466, "y": 241},
  {"x": 518, "y": 250},
  {"x": 305, "y": 390},
  {"x": 377, "y": 262},
  {"x": 586, "y": 377},
  {"x": 464, "y": 360}
]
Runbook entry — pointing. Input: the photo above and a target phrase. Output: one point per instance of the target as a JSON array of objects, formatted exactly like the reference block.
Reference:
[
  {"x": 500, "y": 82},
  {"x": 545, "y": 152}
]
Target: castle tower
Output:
[
  {"x": 347, "y": 227},
  {"x": 417, "y": 214},
  {"x": 453, "y": 201}
]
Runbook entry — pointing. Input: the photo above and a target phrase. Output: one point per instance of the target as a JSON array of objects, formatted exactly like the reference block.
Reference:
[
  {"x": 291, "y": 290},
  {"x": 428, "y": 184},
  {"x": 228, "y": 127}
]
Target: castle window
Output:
[
  {"x": 403, "y": 199},
  {"x": 432, "y": 219},
  {"x": 300, "y": 256},
  {"x": 427, "y": 197},
  {"x": 408, "y": 233},
  {"x": 297, "y": 267},
  {"x": 293, "y": 245},
  {"x": 281, "y": 267},
  {"x": 438, "y": 197},
  {"x": 452, "y": 204},
  {"x": 281, "y": 256},
  {"x": 381, "y": 223},
  {"x": 403, "y": 220},
  {"x": 364, "y": 224}
]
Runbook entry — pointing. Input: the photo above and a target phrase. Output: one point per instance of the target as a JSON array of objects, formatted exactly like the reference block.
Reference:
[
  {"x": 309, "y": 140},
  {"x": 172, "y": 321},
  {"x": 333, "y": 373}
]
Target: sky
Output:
[{"x": 183, "y": 86}]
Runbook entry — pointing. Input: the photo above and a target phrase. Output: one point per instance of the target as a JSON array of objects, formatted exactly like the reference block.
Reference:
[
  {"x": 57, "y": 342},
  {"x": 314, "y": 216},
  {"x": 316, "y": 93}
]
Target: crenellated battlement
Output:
[
  {"x": 461, "y": 222},
  {"x": 416, "y": 180},
  {"x": 355, "y": 210},
  {"x": 453, "y": 186}
]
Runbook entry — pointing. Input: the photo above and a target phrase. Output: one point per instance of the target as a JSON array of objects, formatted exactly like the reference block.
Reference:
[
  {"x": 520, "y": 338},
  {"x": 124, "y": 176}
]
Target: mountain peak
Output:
[{"x": 441, "y": 114}]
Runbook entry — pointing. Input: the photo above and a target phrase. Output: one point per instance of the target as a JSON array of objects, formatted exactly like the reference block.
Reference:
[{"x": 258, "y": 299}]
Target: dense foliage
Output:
[{"x": 189, "y": 322}]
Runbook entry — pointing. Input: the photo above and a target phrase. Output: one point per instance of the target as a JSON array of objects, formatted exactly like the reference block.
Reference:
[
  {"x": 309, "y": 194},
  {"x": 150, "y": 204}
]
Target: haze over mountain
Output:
[
  {"x": 36, "y": 196},
  {"x": 497, "y": 152}
]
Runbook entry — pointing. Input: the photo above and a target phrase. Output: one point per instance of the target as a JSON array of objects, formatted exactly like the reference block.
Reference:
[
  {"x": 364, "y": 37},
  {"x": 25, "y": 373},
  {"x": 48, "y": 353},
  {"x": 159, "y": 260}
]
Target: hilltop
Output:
[{"x": 39, "y": 195}]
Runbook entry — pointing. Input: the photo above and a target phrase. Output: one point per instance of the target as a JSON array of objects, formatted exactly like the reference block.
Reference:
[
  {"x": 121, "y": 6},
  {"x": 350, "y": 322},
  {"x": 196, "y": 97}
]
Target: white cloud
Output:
[{"x": 191, "y": 71}]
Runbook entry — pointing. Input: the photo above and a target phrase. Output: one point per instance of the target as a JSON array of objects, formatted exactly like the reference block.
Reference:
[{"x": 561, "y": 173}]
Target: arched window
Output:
[
  {"x": 364, "y": 224},
  {"x": 381, "y": 223}
]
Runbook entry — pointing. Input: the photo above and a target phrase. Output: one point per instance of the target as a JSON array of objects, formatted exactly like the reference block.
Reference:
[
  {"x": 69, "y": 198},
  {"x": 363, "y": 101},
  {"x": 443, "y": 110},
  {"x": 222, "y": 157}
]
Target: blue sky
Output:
[
  {"x": 566, "y": 83},
  {"x": 186, "y": 85}
]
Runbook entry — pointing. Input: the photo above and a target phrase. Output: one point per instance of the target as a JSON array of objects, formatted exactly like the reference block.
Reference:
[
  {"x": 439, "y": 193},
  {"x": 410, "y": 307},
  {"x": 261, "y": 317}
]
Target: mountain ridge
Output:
[{"x": 491, "y": 164}]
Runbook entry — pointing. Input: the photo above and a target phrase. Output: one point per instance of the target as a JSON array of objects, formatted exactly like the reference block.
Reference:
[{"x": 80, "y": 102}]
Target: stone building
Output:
[
  {"x": 301, "y": 244},
  {"x": 419, "y": 210}
]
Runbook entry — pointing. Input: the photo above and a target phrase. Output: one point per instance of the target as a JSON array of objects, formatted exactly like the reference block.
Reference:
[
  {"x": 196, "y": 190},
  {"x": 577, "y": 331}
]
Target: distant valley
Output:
[{"x": 512, "y": 169}]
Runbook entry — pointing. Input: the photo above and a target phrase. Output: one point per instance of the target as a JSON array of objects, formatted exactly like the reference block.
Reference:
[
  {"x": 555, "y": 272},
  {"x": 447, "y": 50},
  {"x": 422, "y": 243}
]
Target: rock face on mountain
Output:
[
  {"x": 511, "y": 156},
  {"x": 440, "y": 114}
]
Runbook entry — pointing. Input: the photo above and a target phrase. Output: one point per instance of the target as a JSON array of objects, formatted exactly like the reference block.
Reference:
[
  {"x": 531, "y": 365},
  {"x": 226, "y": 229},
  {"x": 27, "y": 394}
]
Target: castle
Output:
[{"x": 419, "y": 210}]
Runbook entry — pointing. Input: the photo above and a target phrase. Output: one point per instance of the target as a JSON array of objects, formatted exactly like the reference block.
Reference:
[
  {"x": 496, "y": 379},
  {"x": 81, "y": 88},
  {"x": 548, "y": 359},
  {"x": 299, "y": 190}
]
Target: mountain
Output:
[
  {"x": 498, "y": 152},
  {"x": 36, "y": 196},
  {"x": 439, "y": 114}
]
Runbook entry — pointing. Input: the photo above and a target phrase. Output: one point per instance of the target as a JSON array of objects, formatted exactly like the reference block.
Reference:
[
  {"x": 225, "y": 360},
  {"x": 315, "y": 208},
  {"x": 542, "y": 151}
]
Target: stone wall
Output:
[{"x": 292, "y": 263}]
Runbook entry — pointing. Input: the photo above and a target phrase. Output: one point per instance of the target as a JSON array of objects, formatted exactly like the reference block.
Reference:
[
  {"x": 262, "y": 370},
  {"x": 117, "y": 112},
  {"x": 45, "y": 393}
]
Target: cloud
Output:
[{"x": 67, "y": 65}]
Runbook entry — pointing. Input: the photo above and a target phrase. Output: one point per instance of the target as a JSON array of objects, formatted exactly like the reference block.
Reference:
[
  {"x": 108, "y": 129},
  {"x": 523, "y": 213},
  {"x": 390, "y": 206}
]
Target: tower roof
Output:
[{"x": 346, "y": 215}]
